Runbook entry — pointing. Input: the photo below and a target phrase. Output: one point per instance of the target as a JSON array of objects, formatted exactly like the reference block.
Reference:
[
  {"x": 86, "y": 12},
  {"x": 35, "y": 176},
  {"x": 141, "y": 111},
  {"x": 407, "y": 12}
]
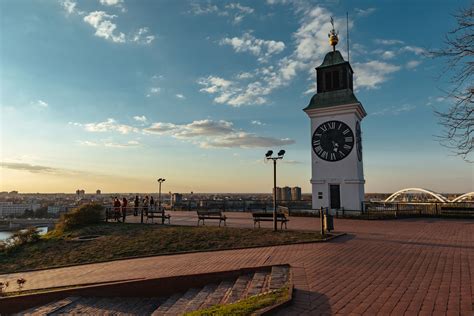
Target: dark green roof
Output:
[
  {"x": 332, "y": 58},
  {"x": 332, "y": 98}
]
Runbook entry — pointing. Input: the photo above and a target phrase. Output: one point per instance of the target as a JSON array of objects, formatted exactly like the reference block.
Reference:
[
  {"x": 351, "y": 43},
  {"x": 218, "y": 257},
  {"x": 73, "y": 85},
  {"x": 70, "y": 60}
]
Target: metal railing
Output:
[{"x": 401, "y": 209}]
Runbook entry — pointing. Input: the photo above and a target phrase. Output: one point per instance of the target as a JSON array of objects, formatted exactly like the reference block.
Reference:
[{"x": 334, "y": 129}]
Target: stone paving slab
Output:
[{"x": 397, "y": 267}]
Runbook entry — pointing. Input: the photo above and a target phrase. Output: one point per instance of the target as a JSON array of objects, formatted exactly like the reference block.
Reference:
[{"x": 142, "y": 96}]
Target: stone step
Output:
[
  {"x": 163, "y": 308},
  {"x": 179, "y": 306},
  {"x": 278, "y": 277},
  {"x": 216, "y": 297},
  {"x": 76, "y": 307},
  {"x": 51, "y": 307},
  {"x": 256, "y": 285},
  {"x": 200, "y": 298},
  {"x": 239, "y": 289}
]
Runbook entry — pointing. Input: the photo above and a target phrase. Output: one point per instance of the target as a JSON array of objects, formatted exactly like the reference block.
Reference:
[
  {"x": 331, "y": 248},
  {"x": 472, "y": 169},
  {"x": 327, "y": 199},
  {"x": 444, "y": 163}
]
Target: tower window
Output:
[
  {"x": 344, "y": 78},
  {"x": 335, "y": 79},
  {"x": 328, "y": 81}
]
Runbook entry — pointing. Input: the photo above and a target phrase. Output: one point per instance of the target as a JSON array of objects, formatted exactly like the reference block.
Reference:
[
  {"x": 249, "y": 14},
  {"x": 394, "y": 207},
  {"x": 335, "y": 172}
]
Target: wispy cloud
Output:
[
  {"x": 257, "y": 122},
  {"x": 109, "y": 125},
  {"x": 104, "y": 27},
  {"x": 394, "y": 110},
  {"x": 413, "y": 64},
  {"x": 388, "y": 41},
  {"x": 215, "y": 134},
  {"x": 140, "y": 118},
  {"x": 40, "y": 104},
  {"x": 371, "y": 74},
  {"x": 263, "y": 49},
  {"x": 364, "y": 12},
  {"x": 180, "y": 96},
  {"x": 235, "y": 10}
]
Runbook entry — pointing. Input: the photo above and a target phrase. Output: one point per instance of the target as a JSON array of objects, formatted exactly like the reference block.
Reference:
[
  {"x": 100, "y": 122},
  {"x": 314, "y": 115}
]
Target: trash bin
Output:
[{"x": 328, "y": 222}]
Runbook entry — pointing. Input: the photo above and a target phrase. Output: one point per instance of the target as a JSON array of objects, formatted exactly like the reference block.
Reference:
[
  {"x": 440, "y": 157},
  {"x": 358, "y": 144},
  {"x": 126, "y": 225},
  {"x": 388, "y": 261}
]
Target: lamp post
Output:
[
  {"x": 269, "y": 156},
  {"x": 160, "y": 181}
]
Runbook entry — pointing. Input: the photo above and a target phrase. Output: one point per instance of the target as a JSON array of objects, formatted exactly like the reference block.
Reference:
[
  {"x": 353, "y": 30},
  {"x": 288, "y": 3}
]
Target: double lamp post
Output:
[
  {"x": 269, "y": 156},
  {"x": 160, "y": 181}
]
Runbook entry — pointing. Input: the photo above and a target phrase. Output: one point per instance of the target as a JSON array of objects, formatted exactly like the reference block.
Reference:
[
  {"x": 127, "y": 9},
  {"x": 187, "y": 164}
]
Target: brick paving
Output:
[{"x": 393, "y": 267}]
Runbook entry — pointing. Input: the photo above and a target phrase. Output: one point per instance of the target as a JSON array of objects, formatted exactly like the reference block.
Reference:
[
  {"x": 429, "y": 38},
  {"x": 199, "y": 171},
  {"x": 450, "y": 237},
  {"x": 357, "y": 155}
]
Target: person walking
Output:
[
  {"x": 135, "y": 206},
  {"x": 124, "y": 209}
]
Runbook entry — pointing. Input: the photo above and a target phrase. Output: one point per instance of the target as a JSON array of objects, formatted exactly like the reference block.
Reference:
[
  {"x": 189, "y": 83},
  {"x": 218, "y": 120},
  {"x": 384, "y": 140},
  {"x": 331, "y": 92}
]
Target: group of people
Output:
[{"x": 121, "y": 206}]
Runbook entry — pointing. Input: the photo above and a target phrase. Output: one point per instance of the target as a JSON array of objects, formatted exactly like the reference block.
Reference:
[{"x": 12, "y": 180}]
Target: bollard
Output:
[{"x": 321, "y": 215}]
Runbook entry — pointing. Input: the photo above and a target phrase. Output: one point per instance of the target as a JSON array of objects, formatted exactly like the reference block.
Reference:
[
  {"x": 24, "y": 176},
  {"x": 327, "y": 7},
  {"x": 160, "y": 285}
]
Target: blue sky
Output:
[{"x": 113, "y": 94}]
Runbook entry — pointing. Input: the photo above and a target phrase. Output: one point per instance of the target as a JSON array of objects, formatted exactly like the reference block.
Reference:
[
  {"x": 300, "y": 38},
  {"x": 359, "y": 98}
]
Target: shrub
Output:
[{"x": 83, "y": 215}]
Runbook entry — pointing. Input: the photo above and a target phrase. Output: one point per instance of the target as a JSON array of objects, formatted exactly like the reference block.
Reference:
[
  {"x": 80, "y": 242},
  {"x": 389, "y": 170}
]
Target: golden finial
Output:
[{"x": 333, "y": 39}]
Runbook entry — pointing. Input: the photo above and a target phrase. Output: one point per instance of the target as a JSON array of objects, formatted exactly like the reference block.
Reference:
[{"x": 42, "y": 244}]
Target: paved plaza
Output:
[{"x": 398, "y": 267}]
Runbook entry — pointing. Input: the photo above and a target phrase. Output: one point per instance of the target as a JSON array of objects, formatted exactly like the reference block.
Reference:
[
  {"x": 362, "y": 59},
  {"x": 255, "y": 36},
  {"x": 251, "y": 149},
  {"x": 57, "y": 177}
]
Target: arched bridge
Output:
[{"x": 437, "y": 196}]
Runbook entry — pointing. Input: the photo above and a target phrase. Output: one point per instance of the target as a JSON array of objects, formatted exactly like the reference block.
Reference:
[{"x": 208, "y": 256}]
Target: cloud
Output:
[
  {"x": 142, "y": 36},
  {"x": 388, "y": 54},
  {"x": 40, "y": 103},
  {"x": 263, "y": 49},
  {"x": 69, "y": 6},
  {"x": 180, "y": 96},
  {"x": 257, "y": 122},
  {"x": 215, "y": 134},
  {"x": 413, "y": 64},
  {"x": 28, "y": 167},
  {"x": 371, "y": 74},
  {"x": 153, "y": 91},
  {"x": 102, "y": 23},
  {"x": 364, "y": 12},
  {"x": 244, "y": 75},
  {"x": 141, "y": 118},
  {"x": 388, "y": 41},
  {"x": 394, "y": 110},
  {"x": 110, "y": 144},
  {"x": 111, "y": 2},
  {"x": 246, "y": 140},
  {"x": 110, "y": 125},
  {"x": 237, "y": 11},
  {"x": 413, "y": 49}
]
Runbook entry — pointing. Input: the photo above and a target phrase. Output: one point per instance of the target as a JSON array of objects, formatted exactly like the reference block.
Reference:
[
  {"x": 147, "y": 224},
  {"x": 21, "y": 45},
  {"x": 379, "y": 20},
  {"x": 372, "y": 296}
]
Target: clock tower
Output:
[{"x": 336, "y": 141}]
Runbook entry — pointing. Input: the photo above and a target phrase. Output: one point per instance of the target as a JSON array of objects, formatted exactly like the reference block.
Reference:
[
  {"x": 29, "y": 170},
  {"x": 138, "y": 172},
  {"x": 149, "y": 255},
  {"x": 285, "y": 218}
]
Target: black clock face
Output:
[
  {"x": 333, "y": 141},
  {"x": 358, "y": 141}
]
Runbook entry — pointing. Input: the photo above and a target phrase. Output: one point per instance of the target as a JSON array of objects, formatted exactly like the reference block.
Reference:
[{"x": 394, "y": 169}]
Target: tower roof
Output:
[{"x": 332, "y": 59}]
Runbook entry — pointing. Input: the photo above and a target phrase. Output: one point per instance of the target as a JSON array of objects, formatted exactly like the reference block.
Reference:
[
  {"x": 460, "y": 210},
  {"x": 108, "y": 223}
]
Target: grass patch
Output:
[
  {"x": 246, "y": 306},
  {"x": 121, "y": 240}
]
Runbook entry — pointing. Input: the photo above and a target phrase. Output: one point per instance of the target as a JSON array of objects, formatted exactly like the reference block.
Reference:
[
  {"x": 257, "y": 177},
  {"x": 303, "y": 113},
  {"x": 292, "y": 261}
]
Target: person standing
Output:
[
  {"x": 135, "y": 206},
  {"x": 152, "y": 204},
  {"x": 124, "y": 209},
  {"x": 116, "y": 209},
  {"x": 145, "y": 205}
]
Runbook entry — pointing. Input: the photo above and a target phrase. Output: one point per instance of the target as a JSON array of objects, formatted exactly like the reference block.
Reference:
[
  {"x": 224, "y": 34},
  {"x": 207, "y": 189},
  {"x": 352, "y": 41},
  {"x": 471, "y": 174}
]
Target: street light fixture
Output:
[
  {"x": 269, "y": 156},
  {"x": 160, "y": 181}
]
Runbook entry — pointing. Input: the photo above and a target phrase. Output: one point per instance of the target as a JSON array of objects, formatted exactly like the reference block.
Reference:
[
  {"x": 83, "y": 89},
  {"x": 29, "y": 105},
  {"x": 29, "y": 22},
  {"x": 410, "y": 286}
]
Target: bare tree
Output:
[{"x": 458, "y": 120}]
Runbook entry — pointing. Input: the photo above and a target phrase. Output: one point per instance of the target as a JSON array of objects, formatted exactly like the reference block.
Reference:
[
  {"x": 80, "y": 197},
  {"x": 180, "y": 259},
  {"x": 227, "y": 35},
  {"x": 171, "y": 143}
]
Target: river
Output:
[{"x": 5, "y": 234}]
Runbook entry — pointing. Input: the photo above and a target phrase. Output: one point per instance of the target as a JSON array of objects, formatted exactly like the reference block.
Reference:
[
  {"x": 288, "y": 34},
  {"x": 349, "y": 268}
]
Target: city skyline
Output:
[{"x": 113, "y": 94}]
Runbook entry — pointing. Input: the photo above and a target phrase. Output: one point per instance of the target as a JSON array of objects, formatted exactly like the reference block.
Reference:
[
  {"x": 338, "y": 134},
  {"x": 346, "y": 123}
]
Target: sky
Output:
[{"x": 113, "y": 94}]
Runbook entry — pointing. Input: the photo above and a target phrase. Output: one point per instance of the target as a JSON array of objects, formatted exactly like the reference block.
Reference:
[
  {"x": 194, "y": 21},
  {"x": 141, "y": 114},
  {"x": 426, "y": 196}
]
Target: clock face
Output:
[
  {"x": 333, "y": 141},
  {"x": 358, "y": 141}
]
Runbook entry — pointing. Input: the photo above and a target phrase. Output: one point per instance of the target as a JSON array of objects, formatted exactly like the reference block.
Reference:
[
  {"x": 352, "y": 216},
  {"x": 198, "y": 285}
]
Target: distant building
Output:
[
  {"x": 296, "y": 194},
  {"x": 98, "y": 192},
  {"x": 285, "y": 193},
  {"x": 8, "y": 208},
  {"x": 278, "y": 193},
  {"x": 176, "y": 199},
  {"x": 80, "y": 193}
]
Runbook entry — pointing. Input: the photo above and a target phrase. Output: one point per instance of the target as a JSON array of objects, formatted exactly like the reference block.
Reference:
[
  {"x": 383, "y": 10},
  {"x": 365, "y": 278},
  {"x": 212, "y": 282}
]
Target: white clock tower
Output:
[{"x": 336, "y": 144}]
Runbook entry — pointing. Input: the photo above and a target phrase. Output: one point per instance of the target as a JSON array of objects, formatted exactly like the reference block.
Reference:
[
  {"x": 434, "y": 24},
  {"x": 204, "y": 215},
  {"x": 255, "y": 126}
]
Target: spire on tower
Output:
[{"x": 333, "y": 39}]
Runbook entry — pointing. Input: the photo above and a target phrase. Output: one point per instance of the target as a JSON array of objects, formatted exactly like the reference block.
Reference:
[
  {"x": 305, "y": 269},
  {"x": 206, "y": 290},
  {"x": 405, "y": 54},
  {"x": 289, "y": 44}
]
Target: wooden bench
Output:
[
  {"x": 211, "y": 214},
  {"x": 282, "y": 217},
  {"x": 158, "y": 214}
]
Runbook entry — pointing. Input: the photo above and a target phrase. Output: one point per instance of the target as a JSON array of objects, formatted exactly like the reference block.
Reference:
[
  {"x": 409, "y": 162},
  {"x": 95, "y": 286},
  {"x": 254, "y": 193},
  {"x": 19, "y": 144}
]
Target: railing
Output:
[
  {"x": 394, "y": 209},
  {"x": 238, "y": 205}
]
